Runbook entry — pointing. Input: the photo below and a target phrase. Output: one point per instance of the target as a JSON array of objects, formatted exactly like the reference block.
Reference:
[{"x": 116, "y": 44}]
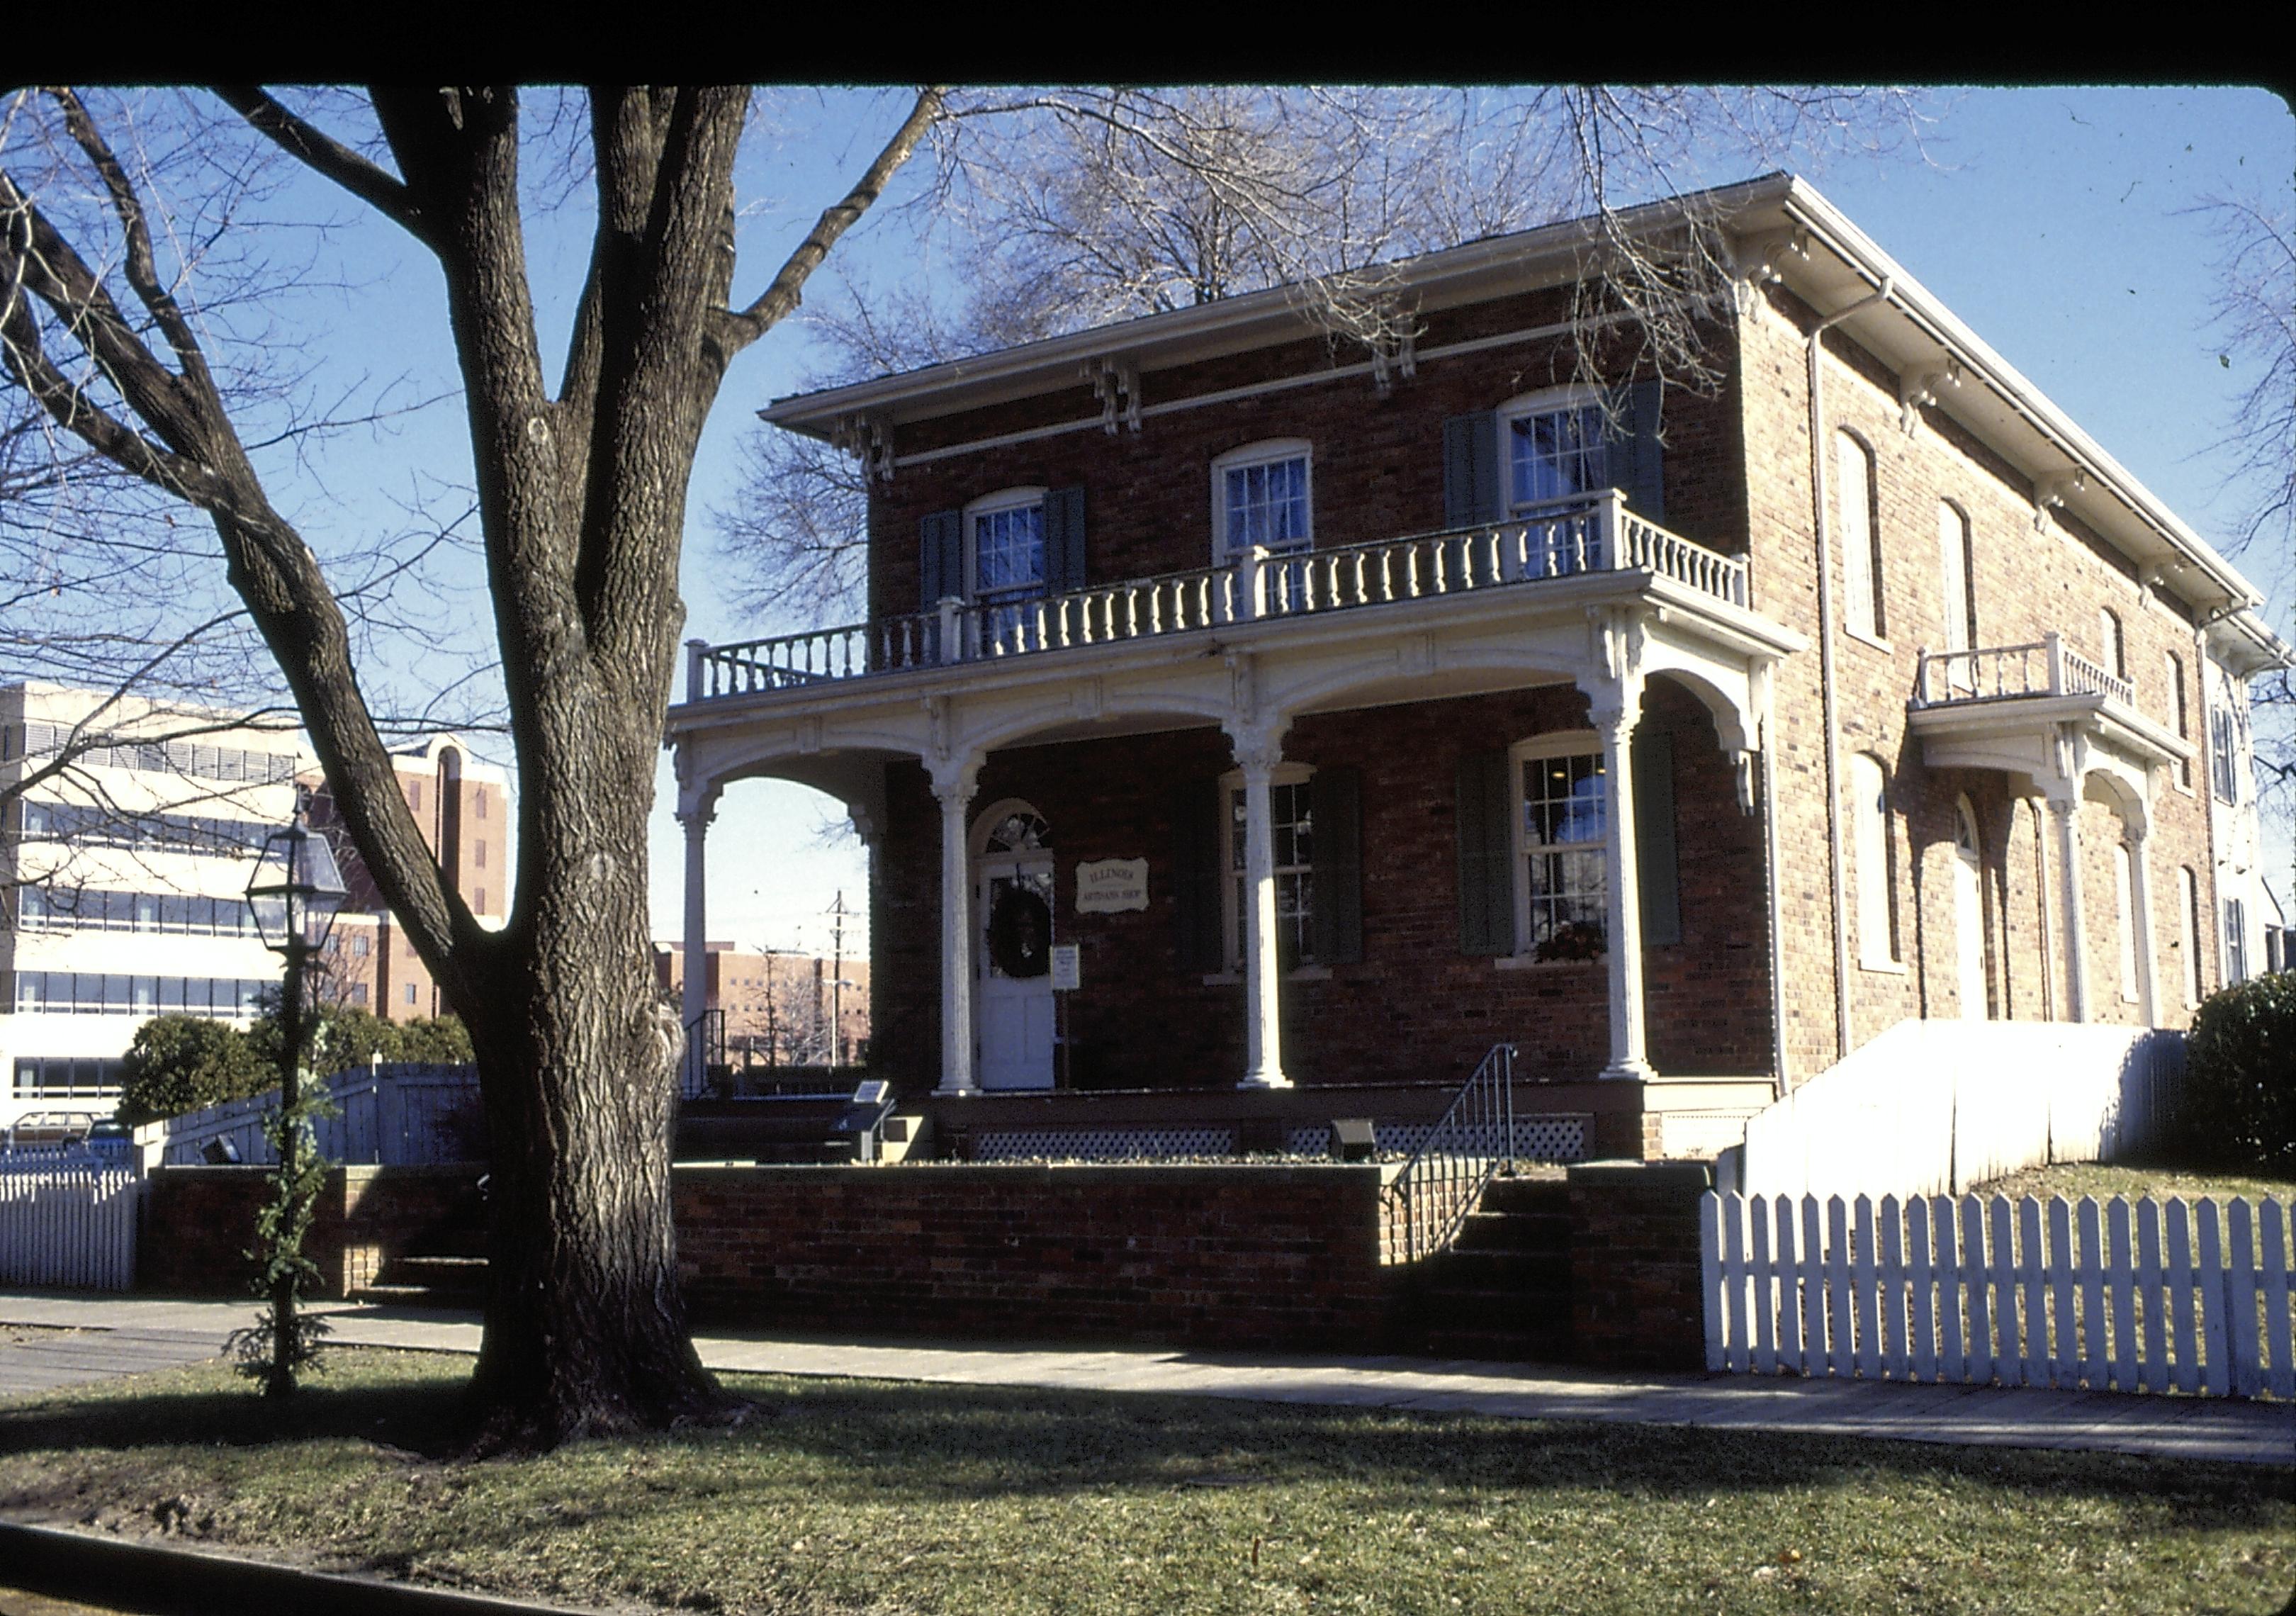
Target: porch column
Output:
[
  {"x": 2140, "y": 901},
  {"x": 2066, "y": 811},
  {"x": 696, "y": 815},
  {"x": 1262, "y": 973},
  {"x": 1623, "y": 882},
  {"x": 954, "y": 784}
]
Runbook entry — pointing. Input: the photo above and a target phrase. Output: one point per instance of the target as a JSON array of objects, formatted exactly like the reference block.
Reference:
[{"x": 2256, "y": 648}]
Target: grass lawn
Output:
[
  {"x": 864, "y": 1495},
  {"x": 2104, "y": 1180}
]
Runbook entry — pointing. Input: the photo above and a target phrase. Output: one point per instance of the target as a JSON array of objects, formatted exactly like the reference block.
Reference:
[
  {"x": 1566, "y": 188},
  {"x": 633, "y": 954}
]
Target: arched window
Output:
[
  {"x": 2189, "y": 930},
  {"x": 1858, "y": 519},
  {"x": 1958, "y": 591},
  {"x": 2124, "y": 917},
  {"x": 2180, "y": 704},
  {"x": 2112, "y": 645},
  {"x": 1877, "y": 863}
]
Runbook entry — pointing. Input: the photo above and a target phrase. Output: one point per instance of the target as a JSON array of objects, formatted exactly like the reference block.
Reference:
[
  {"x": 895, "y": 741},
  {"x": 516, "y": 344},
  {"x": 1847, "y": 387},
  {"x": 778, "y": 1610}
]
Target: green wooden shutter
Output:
[
  {"x": 1657, "y": 866},
  {"x": 1486, "y": 855},
  {"x": 1063, "y": 540},
  {"x": 1335, "y": 797},
  {"x": 1471, "y": 471},
  {"x": 1637, "y": 461},
  {"x": 940, "y": 557},
  {"x": 1195, "y": 808}
]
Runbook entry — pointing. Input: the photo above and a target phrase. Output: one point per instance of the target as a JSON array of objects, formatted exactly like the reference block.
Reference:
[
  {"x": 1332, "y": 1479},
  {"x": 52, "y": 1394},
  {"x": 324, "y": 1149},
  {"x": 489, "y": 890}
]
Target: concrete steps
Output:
[{"x": 1503, "y": 1290}]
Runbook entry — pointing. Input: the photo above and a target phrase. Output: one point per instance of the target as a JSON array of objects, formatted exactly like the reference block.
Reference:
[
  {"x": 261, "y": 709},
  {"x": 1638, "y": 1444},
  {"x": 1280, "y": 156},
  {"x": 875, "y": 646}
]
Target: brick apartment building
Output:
[
  {"x": 1351, "y": 712},
  {"x": 461, "y": 806}
]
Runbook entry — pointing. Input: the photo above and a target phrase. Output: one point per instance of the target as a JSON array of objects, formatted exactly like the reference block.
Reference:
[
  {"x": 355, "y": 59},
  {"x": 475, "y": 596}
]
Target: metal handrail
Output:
[
  {"x": 1428, "y": 1201},
  {"x": 705, "y": 1048}
]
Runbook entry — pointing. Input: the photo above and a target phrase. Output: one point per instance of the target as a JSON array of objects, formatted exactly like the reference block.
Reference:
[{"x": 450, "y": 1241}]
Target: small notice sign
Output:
[
  {"x": 1068, "y": 969},
  {"x": 1108, "y": 886}
]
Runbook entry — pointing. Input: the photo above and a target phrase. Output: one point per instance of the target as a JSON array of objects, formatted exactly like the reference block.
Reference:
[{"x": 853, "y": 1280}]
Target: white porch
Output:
[
  {"x": 1594, "y": 597},
  {"x": 2061, "y": 730}
]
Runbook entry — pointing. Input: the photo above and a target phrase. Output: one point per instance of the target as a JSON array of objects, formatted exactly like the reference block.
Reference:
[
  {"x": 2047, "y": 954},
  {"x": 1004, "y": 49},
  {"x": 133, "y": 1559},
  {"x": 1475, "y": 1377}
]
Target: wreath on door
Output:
[{"x": 1021, "y": 933}]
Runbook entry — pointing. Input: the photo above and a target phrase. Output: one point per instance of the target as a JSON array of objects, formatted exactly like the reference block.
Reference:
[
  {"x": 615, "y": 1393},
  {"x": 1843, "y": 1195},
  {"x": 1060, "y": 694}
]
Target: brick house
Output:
[{"x": 1352, "y": 712}]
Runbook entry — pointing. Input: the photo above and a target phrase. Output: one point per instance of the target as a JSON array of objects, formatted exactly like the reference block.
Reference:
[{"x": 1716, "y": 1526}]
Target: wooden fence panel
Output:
[{"x": 2147, "y": 1298}]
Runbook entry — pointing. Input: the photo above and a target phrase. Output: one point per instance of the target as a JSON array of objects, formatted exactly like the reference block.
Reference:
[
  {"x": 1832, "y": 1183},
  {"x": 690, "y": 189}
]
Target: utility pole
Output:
[{"x": 837, "y": 913}]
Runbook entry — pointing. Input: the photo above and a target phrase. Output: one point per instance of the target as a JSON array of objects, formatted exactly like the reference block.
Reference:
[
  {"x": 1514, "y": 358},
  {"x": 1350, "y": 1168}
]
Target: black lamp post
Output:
[{"x": 295, "y": 893}]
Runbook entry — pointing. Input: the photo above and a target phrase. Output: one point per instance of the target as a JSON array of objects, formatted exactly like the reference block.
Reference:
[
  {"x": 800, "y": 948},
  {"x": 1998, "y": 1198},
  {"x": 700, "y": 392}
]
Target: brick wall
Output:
[
  {"x": 2026, "y": 583},
  {"x": 1415, "y": 1008},
  {"x": 200, "y": 1221},
  {"x": 1377, "y": 463},
  {"x": 1635, "y": 1266},
  {"x": 1235, "y": 1257}
]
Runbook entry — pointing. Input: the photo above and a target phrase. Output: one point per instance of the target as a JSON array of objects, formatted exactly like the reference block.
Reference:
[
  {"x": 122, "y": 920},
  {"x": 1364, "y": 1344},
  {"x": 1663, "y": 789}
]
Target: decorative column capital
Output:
[
  {"x": 954, "y": 780},
  {"x": 697, "y": 808},
  {"x": 1259, "y": 748}
]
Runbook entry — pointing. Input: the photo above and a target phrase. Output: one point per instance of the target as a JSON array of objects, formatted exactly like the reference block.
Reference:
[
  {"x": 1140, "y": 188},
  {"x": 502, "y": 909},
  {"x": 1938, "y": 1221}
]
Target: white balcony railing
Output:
[
  {"x": 1602, "y": 538},
  {"x": 2045, "y": 667}
]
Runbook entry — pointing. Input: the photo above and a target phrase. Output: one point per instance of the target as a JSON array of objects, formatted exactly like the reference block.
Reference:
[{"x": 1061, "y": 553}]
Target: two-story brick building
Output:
[{"x": 1351, "y": 712}]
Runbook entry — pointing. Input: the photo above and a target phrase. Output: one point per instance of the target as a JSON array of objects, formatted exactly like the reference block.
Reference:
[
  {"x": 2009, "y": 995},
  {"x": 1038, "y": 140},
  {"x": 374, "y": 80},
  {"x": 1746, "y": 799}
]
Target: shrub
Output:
[
  {"x": 343, "y": 1036},
  {"x": 2239, "y": 1081},
  {"x": 183, "y": 1062}
]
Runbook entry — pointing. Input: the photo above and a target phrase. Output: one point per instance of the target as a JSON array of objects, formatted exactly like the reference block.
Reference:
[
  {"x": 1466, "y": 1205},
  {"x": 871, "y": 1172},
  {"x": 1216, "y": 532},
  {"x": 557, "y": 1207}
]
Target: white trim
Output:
[
  {"x": 1266, "y": 451},
  {"x": 1554, "y": 743}
]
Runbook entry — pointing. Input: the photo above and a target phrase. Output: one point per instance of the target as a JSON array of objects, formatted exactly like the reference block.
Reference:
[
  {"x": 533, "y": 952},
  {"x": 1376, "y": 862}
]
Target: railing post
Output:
[
  {"x": 2056, "y": 642},
  {"x": 1611, "y": 532},
  {"x": 951, "y": 611},
  {"x": 1921, "y": 676},
  {"x": 695, "y": 649},
  {"x": 1250, "y": 580}
]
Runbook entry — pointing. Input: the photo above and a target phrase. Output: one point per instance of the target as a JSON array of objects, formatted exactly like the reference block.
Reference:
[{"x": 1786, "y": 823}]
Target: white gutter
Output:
[{"x": 1820, "y": 502}]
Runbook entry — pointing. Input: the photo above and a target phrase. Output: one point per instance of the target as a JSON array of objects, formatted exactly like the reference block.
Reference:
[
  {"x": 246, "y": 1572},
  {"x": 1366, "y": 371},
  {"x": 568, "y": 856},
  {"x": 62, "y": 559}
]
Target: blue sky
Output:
[{"x": 2050, "y": 219}]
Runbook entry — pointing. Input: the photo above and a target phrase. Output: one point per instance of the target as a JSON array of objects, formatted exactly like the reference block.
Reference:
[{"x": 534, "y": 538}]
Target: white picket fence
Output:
[
  {"x": 70, "y": 1223},
  {"x": 395, "y": 1115},
  {"x": 2151, "y": 1298}
]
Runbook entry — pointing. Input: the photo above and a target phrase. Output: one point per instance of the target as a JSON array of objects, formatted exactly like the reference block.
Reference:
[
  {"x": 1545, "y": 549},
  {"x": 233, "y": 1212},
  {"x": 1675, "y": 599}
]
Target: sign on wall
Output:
[
  {"x": 1108, "y": 886},
  {"x": 1068, "y": 968}
]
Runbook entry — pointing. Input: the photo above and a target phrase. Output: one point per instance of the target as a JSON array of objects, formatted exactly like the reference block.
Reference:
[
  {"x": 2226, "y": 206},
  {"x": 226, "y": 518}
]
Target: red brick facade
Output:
[{"x": 1767, "y": 894}]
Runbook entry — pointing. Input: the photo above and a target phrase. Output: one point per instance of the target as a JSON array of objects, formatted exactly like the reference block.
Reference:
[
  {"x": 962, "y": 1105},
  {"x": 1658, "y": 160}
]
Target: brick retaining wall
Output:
[
  {"x": 1237, "y": 1257},
  {"x": 1234, "y": 1257},
  {"x": 200, "y": 1221},
  {"x": 1634, "y": 1272}
]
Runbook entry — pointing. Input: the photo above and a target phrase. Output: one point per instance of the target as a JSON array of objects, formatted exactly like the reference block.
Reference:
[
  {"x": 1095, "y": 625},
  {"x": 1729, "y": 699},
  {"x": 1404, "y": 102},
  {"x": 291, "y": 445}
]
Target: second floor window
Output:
[
  {"x": 1556, "y": 453},
  {"x": 1261, "y": 496},
  {"x": 1006, "y": 546},
  {"x": 1860, "y": 538},
  {"x": 2224, "y": 753}
]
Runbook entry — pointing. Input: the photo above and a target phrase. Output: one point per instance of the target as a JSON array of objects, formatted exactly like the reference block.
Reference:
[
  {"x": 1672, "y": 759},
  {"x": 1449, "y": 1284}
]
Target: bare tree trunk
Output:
[{"x": 583, "y": 500}]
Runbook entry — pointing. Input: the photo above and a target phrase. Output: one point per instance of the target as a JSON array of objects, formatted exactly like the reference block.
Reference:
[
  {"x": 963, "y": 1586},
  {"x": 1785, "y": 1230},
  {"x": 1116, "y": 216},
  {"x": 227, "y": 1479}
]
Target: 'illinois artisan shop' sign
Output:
[{"x": 1108, "y": 886}]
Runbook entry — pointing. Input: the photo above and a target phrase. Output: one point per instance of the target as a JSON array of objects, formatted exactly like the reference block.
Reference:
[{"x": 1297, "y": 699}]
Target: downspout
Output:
[{"x": 1839, "y": 861}]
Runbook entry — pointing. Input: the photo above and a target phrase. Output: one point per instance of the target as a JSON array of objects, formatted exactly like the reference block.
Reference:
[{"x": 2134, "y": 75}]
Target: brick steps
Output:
[
  {"x": 1503, "y": 1290},
  {"x": 448, "y": 1281}
]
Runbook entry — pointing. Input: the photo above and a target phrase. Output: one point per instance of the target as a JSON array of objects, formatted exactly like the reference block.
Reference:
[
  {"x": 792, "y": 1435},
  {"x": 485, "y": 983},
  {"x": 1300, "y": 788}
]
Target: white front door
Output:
[
  {"x": 1969, "y": 932},
  {"x": 1013, "y": 955}
]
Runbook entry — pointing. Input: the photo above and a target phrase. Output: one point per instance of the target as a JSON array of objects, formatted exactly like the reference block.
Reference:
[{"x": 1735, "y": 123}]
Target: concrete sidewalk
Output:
[{"x": 119, "y": 1335}]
